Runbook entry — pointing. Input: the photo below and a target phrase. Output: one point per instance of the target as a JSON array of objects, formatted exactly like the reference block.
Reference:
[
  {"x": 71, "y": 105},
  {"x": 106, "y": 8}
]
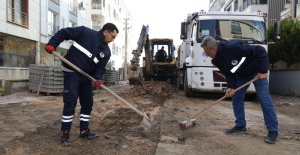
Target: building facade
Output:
[
  {"x": 100, "y": 12},
  {"x": 275, "y": 10},
  {"x": 27, "y": 25}
]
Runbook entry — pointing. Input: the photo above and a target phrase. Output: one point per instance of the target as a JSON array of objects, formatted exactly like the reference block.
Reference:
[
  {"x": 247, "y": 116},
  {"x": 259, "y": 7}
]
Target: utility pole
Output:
[
  {"x": 292, "y": 9},
  {"x": 125, "y": 58}
]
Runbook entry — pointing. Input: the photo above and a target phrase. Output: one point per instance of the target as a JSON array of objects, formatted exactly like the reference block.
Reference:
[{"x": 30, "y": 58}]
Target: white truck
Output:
[{"x": 196, "y": 73}]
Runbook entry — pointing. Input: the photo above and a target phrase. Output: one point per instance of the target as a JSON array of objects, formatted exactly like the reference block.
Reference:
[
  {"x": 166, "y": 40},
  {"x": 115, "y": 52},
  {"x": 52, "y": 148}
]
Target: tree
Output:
[
  {"x": 288, "y": 47},
  {"x": 272, "y": 48}
]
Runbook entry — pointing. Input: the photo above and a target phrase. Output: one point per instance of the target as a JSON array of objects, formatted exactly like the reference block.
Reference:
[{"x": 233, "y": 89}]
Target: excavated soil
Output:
[
  {"x": 30, "y": 125},
  {"x": 121, "y": 129}
]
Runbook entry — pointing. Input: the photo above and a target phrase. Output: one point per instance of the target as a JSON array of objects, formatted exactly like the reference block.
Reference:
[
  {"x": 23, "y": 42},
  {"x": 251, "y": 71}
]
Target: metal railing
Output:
[
  {"x": 56, "y": 1},
  {"x": 96, "y": 4},
  {"x": 250, "y": 2},
  {"x": 52, "y": 29},
  {"x": 222, "y": 3},
  {"x": 17, "y": 17}
]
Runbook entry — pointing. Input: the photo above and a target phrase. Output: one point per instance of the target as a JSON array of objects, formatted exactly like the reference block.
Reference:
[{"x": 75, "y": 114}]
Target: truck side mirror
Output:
[{"x": 183, "y": 30}]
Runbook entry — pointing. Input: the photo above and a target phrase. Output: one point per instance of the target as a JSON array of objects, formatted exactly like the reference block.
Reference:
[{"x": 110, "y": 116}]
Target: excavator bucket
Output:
[{"x": 135, "y": 76}]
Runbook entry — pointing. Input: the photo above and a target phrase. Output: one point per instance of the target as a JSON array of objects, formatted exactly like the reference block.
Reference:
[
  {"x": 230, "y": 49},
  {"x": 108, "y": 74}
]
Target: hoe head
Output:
[{"x": 187, "y": 124}]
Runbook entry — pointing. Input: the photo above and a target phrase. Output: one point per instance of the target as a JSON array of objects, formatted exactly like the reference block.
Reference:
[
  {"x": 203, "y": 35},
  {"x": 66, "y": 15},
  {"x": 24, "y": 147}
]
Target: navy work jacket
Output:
[
  {"x": 230, "y": 55},
  {"x": 89, "y": 39}
]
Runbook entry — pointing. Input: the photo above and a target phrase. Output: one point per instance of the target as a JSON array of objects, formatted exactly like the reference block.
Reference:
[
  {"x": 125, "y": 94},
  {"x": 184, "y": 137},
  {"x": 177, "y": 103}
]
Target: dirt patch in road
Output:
[
  {"x": 32, "y": 127},
  {"x": 121, "y": 129}
]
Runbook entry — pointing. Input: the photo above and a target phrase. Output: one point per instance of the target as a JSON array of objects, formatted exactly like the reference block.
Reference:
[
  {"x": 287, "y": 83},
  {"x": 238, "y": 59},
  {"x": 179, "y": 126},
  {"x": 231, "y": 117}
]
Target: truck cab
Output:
[{"x": 196, "y": 72}]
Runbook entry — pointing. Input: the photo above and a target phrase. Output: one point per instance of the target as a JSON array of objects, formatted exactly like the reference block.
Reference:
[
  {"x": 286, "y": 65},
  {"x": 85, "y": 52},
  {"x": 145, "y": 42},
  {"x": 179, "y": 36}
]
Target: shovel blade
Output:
[{"x": 147, "y": 122}]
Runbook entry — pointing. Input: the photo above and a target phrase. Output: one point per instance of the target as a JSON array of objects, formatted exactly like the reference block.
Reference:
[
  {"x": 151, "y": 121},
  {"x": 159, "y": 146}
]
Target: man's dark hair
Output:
[{"x": 110, "y": 27}]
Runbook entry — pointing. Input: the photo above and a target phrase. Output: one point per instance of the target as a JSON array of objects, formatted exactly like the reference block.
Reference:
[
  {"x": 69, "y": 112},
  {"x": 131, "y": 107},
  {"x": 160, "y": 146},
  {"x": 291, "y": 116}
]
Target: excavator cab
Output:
[
  {"x": 162, "y": 49},
  {"x": 160, "y": 63}
]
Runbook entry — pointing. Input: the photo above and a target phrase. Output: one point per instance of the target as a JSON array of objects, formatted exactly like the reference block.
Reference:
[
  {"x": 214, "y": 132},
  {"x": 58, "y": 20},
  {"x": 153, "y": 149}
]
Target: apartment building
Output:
[
  {"x": 27, "y": 25},
  {"x": 100, "y": 12},
  {"x": 239, "y": 5},
  {"x": 275, "y": 10},
  {"x": 19, "y": 34}
]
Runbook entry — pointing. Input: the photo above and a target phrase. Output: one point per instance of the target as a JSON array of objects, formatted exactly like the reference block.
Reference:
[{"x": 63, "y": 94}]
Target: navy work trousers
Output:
[
  {"x": 262, "y": 89},
  {"x": 76, "y": 86}
]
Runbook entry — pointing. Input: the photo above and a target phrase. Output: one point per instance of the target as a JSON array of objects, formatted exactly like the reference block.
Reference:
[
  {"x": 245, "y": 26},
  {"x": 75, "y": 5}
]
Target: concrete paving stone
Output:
[{"x": 168, "y": 138}]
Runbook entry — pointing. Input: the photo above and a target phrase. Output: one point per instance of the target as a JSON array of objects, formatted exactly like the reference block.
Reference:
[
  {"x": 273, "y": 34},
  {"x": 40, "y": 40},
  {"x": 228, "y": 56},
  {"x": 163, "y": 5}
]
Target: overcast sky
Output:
[{"x": 163, "y": 16}]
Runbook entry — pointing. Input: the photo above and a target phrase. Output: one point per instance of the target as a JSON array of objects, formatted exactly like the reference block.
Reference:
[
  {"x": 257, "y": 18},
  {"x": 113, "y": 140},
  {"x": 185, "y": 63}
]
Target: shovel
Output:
[
  {"x": 146, "y": 119},
  {"x": 192, "y": 121}
]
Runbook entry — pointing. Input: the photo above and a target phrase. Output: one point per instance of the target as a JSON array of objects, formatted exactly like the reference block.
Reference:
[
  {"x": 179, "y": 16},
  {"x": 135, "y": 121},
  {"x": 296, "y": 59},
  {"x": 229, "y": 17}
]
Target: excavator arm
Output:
[{"x": 135, "y": 75}]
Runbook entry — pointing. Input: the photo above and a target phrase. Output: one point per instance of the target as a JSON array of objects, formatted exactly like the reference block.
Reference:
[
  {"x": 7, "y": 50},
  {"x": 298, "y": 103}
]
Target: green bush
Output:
[{"x": 2, "y": 90}]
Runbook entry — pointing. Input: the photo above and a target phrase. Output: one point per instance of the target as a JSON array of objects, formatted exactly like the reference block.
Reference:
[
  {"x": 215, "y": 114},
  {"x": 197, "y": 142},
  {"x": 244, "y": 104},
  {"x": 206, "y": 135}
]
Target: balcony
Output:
[
  {"x": 98, "y": 8},
  {"x": 247, "y": 3},
  {"x": 96, "y": 5},
  {"x": 17, "y": 17},
  {"x": 52, "y": 29}
]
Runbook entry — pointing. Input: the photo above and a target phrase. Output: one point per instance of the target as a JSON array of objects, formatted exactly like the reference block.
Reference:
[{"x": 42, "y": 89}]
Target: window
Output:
[
  {"x": 52, "y": 26},
  {"x": 96, "y": 4},
  {"x": 227, "y": 29},
  {"x": 263, "y": 1},
  {"x": 18, "y": 12},
  {"x": 236, "y": 28}
]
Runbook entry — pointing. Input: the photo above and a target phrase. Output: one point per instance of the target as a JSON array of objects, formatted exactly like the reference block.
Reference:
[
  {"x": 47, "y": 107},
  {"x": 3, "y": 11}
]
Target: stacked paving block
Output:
[
  {"x": 111, "y": 77},
  {"x": 53, "y": 79},
  {"x": 50, "y": 77}
]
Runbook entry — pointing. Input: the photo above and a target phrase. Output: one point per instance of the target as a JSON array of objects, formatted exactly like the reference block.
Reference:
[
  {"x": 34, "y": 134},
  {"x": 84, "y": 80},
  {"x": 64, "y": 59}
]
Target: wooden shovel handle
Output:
[{"x": 237, "y": 89}]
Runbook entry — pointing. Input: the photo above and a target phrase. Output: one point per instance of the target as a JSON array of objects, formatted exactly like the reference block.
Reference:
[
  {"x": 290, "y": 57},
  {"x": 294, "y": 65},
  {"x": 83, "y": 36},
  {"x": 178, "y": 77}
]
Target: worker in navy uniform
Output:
[
  {"x": 161, "y": 55},
  {"x": 241, "y": 62},
  {"x": 89, "y": 52}
]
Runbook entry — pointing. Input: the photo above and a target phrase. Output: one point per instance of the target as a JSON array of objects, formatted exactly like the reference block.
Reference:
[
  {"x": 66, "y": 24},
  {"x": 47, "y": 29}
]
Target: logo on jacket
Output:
[
  {"x": 234, "y": 62},
  {"x": 101, "y": 55}
]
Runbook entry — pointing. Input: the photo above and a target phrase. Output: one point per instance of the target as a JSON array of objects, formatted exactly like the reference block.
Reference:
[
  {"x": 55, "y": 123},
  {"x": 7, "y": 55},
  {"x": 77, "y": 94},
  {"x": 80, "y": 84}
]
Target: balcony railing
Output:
[
  {"x": 250, "y": 2},
  {"x": 52, "y": 29},
  {"x": 96, "y": 5},
  {"x": 56, "y": 1},
  {"x": 17, "y": 17},
  {"x": 222, "y": 3}
]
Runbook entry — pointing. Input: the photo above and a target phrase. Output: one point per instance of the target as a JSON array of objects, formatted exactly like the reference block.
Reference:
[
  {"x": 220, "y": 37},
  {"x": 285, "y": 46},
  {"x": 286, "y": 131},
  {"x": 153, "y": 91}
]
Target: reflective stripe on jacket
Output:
[{"x": 88, "y": 52}]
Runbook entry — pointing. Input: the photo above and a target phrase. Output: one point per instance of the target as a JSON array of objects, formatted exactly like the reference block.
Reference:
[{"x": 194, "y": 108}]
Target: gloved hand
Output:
[
  {"x": 49, "y": 49},
  {"x": 98, "y": 83}
]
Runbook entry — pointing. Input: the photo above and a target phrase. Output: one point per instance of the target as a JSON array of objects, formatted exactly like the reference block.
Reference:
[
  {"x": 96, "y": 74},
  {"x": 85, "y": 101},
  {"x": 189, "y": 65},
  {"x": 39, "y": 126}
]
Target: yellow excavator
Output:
[{"x": 155, "y": 67}]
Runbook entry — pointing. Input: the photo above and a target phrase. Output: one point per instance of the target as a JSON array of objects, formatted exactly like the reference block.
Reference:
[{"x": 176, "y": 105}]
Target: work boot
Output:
[
  {"x": 236, "y": 130},
  {"x": 87, "y": 134},
  {"x": 65, "y": 138},
  {"x": 272, "y": 137}
]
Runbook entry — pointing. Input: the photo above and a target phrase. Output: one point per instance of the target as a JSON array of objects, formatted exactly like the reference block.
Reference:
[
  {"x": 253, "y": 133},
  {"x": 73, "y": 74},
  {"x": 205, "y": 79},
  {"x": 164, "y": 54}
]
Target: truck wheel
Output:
[
  {"x": 179, "y": 82},
  {"x": 188, "y": 92}
]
